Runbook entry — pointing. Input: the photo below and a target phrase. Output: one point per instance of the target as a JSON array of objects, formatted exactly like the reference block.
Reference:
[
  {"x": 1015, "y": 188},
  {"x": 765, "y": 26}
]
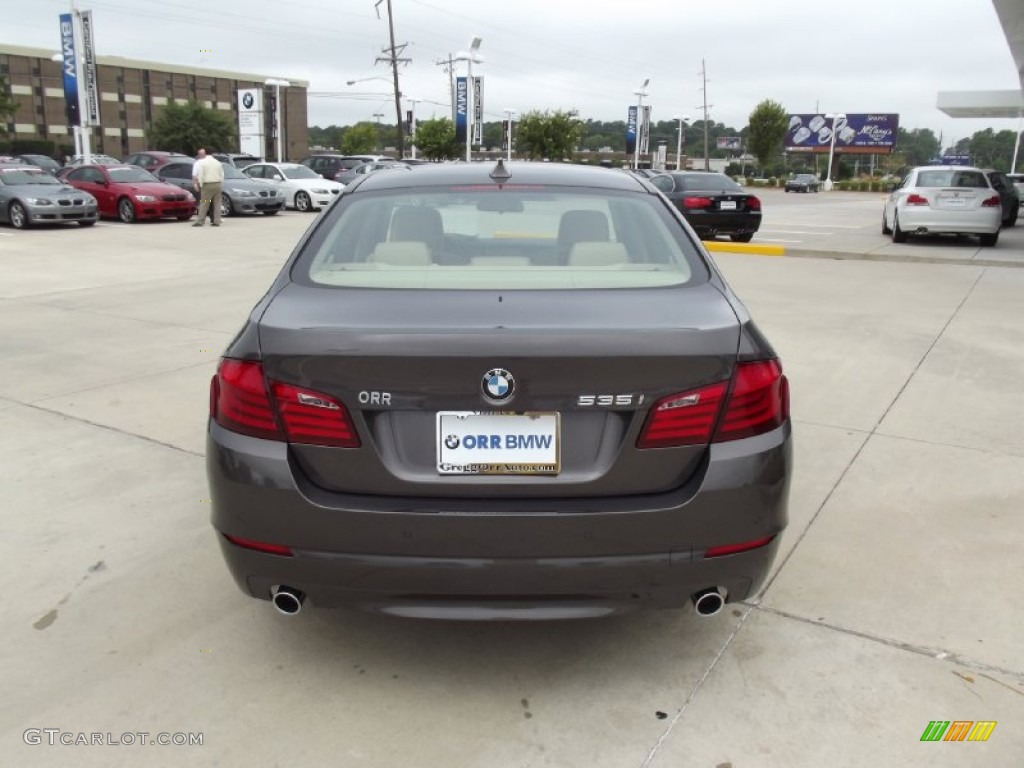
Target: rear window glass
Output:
[
  {"x": 711, "y": 182},
  {"x": 952, "y": 178},
  {"x": 517, "y": 238}
]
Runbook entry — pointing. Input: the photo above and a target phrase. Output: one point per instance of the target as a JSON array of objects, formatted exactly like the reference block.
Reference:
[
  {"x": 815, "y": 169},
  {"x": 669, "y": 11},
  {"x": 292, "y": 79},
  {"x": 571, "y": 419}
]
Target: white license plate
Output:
[
  {"x": 954, "y": 202},
  {"x": 727, "y": 205},
  {"x": 473, "y": 443}
]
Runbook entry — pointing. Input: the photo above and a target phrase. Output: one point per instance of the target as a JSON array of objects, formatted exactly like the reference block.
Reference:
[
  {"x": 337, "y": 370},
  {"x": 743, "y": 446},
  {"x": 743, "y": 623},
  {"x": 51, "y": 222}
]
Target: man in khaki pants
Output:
[{"x": 207, "y": 179}]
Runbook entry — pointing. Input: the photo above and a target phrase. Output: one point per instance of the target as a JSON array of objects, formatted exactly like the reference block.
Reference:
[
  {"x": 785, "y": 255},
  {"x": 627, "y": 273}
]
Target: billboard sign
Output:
[
  {"x": 861, "y": 133},
  {"x": 92, "y": 95},
  {"x": 461, "y": 108},
  {"x": 734, "y": 143},
  {"x": 70, "y": 67}
]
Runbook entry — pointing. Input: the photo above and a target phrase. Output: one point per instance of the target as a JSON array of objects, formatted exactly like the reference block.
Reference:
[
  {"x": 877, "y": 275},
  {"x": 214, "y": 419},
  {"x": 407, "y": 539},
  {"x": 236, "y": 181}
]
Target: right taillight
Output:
[
  {"x": 758, "y": 402},
  {"x": 241, "y": 402},
  {"x": 992, "y": 202}
]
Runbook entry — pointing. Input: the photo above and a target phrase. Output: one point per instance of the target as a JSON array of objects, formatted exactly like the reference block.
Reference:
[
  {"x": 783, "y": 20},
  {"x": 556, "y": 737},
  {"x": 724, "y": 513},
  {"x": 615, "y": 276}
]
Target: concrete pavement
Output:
[{"x": 894, "y": 600}]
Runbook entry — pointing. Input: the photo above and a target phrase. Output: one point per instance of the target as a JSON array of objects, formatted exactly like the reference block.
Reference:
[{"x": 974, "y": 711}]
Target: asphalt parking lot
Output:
[{"x": 894, "y": 601}]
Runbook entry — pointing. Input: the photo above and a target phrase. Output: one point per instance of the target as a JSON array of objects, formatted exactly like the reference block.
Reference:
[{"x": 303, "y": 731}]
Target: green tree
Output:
[
  {"x": 360, "y": 139},
  {"x": 767, "y": 128},
  {"x": 189, "y": 126},
  {"x": 435, "y": 139},
  {"x": 553, "y": 135},
  {"x": 8, "y": 106}
]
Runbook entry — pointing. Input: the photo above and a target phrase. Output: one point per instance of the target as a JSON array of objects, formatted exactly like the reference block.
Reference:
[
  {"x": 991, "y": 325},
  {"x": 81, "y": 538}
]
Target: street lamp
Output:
[
  {"x": 412, "y": 125},
  {"x": 679, "y": 140},
  {"x": 364, "y": 79},
  {"x": 378, "y": 115},
  {"x": 835, "y": 117},
  {"x": 277, "y": 83},
  {"x": 470, "y": 57},
  {"x": 508, "y": 119},
  {"x": 639, "y": 121}
]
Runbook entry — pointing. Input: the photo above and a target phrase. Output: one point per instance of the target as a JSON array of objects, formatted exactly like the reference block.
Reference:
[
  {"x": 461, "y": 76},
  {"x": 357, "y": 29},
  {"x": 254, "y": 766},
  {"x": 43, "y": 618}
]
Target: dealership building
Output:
[{"x": 132, "y": 93}]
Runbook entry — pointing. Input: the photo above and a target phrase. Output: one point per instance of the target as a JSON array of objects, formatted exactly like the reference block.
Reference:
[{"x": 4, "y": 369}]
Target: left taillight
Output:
[
  {"x": 757, "y": 402},
  {"x": 241, "y": 402}
]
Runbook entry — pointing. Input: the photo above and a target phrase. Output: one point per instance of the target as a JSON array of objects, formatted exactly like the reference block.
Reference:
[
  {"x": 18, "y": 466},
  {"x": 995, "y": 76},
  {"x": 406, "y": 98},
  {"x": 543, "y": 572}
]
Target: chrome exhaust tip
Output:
[
  {"x": 287, "y": 600},
  {"x": 708, "y": 602}
]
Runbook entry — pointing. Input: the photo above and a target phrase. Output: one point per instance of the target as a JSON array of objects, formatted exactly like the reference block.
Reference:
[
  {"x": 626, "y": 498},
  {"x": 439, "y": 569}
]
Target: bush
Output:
[{"x": 750, "y": 181}]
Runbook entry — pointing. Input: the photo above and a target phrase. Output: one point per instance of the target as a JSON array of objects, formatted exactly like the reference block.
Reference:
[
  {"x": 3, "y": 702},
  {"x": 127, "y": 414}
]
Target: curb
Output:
[{"x": 755, "y": 250}]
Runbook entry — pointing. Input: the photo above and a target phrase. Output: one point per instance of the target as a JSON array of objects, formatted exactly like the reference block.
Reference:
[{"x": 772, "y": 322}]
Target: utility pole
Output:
[
  {"x": 393, "y": 57},
  {"x": 704, "y": 87},
  {"x": 449, "y": 67}
]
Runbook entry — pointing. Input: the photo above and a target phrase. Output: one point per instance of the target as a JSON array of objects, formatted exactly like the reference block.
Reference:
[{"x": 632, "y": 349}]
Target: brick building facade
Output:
[{"x": 132, "y": 93}]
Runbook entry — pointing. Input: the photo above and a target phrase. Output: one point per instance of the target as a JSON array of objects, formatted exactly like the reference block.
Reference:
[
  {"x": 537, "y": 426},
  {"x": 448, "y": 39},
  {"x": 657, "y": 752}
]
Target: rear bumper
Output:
[
  {"x": 740, "y": 223},
  {"x": 499, "y": 558},
  {"x": 979, "y": 222}
]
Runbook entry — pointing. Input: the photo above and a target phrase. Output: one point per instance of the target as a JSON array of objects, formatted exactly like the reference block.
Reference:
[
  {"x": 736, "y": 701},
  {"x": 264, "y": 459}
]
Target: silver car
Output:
[
  {"x": 943, "y": 200},
  {"x": 29, "y": 195},
  {"x": 239, "y": 193}
]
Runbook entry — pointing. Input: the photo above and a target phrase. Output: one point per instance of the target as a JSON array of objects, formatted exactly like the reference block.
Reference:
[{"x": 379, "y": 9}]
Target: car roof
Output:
[{"x": 558, "y": 174}]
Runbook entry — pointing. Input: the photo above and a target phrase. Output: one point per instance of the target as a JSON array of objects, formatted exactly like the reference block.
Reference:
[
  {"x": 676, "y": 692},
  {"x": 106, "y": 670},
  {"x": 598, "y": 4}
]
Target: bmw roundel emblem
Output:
[
  {"x": 498, "y": 384},
  {"x": 248, "y": 100}
]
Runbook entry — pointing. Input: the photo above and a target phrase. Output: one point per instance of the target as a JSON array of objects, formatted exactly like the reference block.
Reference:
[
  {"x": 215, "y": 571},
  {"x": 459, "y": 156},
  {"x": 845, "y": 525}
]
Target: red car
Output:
[{"x": 128, "y": 193}]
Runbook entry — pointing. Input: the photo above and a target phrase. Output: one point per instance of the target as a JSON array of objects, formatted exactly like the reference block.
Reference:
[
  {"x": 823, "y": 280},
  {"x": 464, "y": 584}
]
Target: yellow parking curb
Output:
[{"x": 756, "y": 250}]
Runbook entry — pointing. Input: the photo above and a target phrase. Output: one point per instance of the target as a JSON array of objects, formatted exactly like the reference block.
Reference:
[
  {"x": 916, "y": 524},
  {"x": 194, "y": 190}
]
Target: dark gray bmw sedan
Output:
[{"x": 489, "y": 391}]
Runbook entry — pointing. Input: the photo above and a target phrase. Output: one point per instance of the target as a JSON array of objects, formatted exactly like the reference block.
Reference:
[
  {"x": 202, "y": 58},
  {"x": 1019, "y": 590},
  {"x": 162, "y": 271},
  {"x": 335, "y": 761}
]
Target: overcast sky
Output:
[{"x": 839, "y": 55}]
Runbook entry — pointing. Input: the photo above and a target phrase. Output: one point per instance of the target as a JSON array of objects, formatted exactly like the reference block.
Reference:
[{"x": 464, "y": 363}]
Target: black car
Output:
[
  {"x": 712, "y": 203},
  {"x": 1009, "y": 197},
  {"x": 803, "y": 182},
  {"x": 330, "y": 166},
  {"x": 45, "y": 162},
  {"x": 490, "y": 391}
]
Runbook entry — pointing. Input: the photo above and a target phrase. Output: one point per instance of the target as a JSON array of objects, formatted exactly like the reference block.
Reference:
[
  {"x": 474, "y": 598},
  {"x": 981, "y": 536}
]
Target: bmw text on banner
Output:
[
  {"x": 461, "y": 106},
  {"x": 67, "y": 46},
  {"x": 631, "y": 131}
]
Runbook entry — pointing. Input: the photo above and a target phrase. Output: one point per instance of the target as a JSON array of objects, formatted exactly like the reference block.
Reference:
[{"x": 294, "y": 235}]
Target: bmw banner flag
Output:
[
  {"x": 631, "y": 131},
  {"x": 67, "y": 47},
  {"x": 461, "y": 109},
  {"x": 478, "y": 111},
  {"x": 92, "y": 96}
]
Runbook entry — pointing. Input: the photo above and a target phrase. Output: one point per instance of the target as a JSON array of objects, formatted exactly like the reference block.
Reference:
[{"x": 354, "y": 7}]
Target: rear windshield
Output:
[
  {"x": 711, "y": 182},
  {"x": 515, "y": 238},
  {"x": 952, "y": 178}
]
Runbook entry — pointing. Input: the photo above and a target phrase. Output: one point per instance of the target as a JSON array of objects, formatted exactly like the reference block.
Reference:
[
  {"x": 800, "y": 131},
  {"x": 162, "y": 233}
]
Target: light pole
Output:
[
  {"x": 508, "y": 119},
  {"x": 835, "y": 117},
  {"x": 639, "y": 121},
  {"x": 378, "y": 115},
  {"x": 412, "y": 127},
  {"x": 470, "y": 56},
  {"x": 679, "y": 140},
  {"x": 277, "y": 83}
]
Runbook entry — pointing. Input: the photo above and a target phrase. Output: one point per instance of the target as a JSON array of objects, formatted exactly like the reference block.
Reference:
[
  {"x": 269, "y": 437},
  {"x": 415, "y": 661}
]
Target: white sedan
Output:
[
  {"x": 304, "y": 190},
  {"x": 944, "y": 200}
]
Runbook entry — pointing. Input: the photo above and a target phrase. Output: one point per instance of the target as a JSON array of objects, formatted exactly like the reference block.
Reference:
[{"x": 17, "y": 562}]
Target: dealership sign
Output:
[
  {"x": 461, "y": 109},
  {"x": 251, "y": 134},
  {"x": 861, "y": 133}
]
